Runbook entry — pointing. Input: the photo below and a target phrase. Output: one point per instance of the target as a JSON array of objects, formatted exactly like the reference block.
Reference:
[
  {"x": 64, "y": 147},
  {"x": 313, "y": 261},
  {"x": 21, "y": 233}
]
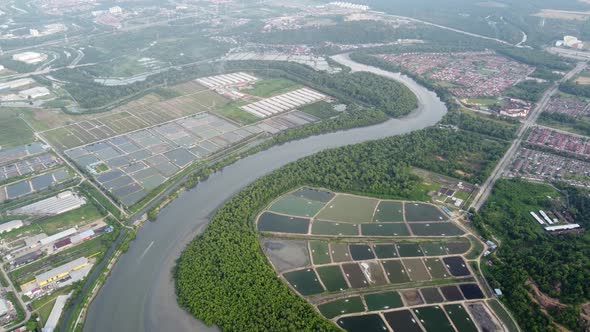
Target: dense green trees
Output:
[
  {"x": 528, "y": 90},
  {"x": 575, "y": 89},
  {"x": 223, "y": 278},
  {"x": 579, "y": 126},
  {"x": 558, "y": 265}
]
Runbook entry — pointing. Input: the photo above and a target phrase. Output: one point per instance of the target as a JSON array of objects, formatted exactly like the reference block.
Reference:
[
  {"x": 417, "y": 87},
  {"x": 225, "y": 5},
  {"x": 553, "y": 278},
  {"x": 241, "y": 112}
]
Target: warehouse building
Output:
[
  {"x": 16, "y": 83},
  {"x": 562, "y": 227},
  {"x": 53, "y": 319},
  {"x": 226, "y": 79},
  {"x": 30, "y": 57},
  {"x": 58, "y": 204},
  {"x": 61, "y": 271},
  {"x": 10, "y": 225},
  {"x": 57, "y": 237}
]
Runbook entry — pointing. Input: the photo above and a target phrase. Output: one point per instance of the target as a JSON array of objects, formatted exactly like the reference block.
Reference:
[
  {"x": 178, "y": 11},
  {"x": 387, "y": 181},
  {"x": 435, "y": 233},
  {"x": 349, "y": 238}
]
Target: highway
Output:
[{"x": 486, "y": 189}]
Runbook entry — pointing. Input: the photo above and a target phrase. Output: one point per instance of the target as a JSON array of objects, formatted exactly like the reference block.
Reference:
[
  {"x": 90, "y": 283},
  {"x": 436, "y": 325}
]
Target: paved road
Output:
[
  {"x": 486, "y": 188},
  {"x": 451, "y": 29}
]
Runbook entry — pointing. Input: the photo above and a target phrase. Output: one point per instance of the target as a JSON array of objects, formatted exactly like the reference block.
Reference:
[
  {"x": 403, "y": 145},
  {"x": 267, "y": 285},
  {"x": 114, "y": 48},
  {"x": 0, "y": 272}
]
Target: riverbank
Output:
[{"x": 139, "y": 294}]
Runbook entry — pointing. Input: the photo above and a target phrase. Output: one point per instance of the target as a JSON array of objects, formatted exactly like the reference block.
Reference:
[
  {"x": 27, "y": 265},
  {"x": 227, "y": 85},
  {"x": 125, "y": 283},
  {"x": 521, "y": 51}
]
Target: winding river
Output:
[{"x": 139, "y": 294}]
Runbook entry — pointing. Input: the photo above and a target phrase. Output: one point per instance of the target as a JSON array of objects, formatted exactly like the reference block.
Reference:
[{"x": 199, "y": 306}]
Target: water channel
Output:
[{"x": 139, "y": 294}]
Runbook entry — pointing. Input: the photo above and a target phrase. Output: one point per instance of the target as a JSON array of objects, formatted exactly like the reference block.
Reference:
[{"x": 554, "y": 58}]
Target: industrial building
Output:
[
  {"x": 546, "y": 217},
  {"x": 16, "y": 83},
  {"x": 283, "y": 102},
  {"x": 349, "y": 5},
  {"x": 226, "y": 79},
  {"x": 58, "y": 204},
  {"x": 10, "y": 225},
  {"x": 539, "y": 220},
  {"x": 61, "y": 271},
  {"x": 30, "y": 57},
  {"x": 570, "y": 41},
  {"x": 4, "y": 308},
  {"x": 57, "y": 237},
  {"x": 562, "y": 227},
  {"x": 82, "y": 236},
  {"x": 53, "y": 319}
]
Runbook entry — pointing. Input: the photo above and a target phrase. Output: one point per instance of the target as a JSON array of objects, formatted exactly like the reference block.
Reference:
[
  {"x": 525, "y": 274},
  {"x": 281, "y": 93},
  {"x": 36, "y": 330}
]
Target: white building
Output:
[
  {"x": 30, "y": 57},
  {"x": 3, "y": 307},
  {"x": 10, "y": 225},
  {"x": 16, "y": 83},
  {"x": 116, "y": 10},
  {"x": 570, "y": 41},
  {"x": 53, "y": 319},
  {"x": 58, "y": 236},
  {"x": 349, "y": 5},
  {"x": 58, "y": 204}
]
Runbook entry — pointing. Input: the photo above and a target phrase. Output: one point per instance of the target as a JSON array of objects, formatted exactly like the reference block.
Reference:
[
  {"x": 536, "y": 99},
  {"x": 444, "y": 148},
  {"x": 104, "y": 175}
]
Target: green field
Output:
[
  {"x": 13, "y": 130},
  {"x": 55, "y": 224},
  {"x": 82, "y": 215},
  {"x": 233, "y": 111},
  {"x": 321, "y": 109},
  {"x": 476, "y": 248},
  {"x": 271, "y": 87},
  {"x": 296, "y": 206},
  {"x": 351, "y": 209}
]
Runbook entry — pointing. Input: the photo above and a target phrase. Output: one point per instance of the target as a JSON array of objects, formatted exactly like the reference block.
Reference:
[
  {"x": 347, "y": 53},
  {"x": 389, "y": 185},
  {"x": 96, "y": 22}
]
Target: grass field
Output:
[
  {"x": 13, "y": 130},
  {"x": 43, "y": 305},
  {"x": 321, "y": 109},
  {"x": 82, "y": 215},
  {"x": 271, "y": 87},
  {"x": 476, "y": 248},
  {"x": 233, "y": 111}
]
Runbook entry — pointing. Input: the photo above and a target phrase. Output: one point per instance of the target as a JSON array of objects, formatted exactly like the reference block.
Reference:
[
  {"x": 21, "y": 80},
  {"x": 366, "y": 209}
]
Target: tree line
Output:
[{"x": 557, "y": 264}]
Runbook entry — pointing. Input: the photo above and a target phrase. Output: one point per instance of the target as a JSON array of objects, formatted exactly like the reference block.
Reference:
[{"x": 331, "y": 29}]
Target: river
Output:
[{"x": 139, "y": 294}]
